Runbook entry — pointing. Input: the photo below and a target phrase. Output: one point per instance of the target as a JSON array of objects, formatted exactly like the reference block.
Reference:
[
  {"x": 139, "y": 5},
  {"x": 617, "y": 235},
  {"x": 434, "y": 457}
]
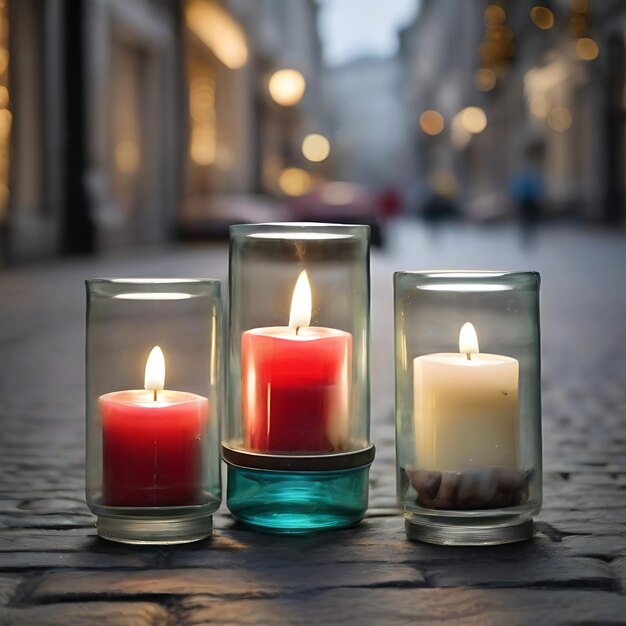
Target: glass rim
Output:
[
  {"x": 299, "y": 230},
  {"x": 136, "y": 288},
  {"x": 467, "y": 275},
  {"x": 456, "y": 274}
]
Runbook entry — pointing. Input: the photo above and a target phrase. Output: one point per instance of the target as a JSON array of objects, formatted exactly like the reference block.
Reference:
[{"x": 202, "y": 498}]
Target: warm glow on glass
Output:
[
  {"x": 468, "y": 340},
  {"x": 287, "y": 87},
  {"x": 315, "y": 147},
  {"x": 155, "y": 370},
  {"x": 473, "y": 120},
  {"x": 294, "y": 181},
  {"x": 431, "y": 122},
  {"x": 465, "y": 288},
  {"x": 485, "y": 79},
  {"x": 542, "y": 17},
  {"x": 559, "y": 119},
  {"x": 301, "y": 305},
  {"x": 219, "y": 31},
  {"x": 153, "y": 295},
  {"x": 127, "y": 156},
  {"x": 587, "y": 49},
  {"x": 494, "y": 14}
]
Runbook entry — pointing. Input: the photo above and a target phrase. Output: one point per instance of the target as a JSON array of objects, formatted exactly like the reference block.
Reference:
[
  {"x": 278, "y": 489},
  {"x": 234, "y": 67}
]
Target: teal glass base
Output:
[{"x": 297, "y": 502}]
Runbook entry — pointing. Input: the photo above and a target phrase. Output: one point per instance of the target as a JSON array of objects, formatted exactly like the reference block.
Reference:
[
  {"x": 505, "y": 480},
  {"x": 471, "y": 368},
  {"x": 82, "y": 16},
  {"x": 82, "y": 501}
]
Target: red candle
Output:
[
  {"x": 152, "y": 448},
  {"x": 296, "y": 382}
]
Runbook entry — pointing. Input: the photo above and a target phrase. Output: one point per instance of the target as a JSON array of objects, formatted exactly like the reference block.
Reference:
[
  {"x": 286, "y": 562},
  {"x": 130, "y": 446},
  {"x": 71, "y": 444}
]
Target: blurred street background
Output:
[
  {"x": 469, "y": 134},
  {"x": 127, "y": 123}
]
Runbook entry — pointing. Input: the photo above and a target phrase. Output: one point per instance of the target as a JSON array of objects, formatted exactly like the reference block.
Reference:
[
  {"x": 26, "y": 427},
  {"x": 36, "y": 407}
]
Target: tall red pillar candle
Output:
[
  {"x": 296, "y": 383},
  {"x": 296, "y": 389}
]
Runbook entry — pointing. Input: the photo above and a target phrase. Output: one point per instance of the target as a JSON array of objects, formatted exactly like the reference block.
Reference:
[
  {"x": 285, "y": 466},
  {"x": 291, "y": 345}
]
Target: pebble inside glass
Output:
[{"x": 473, "y": 471}]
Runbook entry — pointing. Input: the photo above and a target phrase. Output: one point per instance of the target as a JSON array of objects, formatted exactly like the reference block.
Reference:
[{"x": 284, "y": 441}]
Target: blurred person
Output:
[
  {"x": 441, "y": 205},
  {"x": 389, "y": 203},
  {"x": 527, "y": 191}
]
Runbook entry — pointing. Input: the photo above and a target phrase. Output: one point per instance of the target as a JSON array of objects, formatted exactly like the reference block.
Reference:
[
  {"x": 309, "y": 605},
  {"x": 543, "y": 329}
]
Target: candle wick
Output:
[
  {"x": 469, "y": 356},
  {"x": 297, "y": 329},
  {"x": 155, "y": 395}
]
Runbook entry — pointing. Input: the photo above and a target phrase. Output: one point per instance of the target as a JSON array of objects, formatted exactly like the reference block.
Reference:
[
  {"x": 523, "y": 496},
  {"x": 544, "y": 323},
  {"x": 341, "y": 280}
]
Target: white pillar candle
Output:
[{"x": 466, "y": 408}]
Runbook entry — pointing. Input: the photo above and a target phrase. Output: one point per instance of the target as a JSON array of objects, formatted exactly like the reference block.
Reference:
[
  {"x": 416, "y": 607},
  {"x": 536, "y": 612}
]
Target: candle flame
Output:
[
  {"x": 300, "y": 315},
  {"x": 155, "y": 370},
  {"x": 468, "y": 340}
]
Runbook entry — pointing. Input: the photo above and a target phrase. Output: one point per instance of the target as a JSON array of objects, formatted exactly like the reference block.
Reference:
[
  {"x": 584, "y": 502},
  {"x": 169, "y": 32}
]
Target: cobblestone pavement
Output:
[{"x": 54, "y": 570}]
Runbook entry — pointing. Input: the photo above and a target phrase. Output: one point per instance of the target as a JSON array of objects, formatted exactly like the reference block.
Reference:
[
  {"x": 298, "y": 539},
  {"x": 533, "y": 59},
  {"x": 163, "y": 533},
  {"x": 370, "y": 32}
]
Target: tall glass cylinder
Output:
[
  {"x": 153, "y": 394},
  {"x": 297, "y": 433},
  {"x": 468, "y": 405}
]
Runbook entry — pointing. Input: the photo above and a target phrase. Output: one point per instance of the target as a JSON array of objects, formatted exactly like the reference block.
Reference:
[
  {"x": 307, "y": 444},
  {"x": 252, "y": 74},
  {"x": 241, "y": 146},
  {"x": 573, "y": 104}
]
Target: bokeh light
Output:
[
  {"x": 4, "y": 97},
  {"x": 219, "y": 31},
  {"x": 287, "y": 87},
  {"x": 542, "y": 17},
  {"x": 485, "y": 79},
  {"x": 5, "y": 123},
  {"x": 559, "y": 119},
  {"x": 473, "y": 120},
  {"x": 539, "y": 106},
  {"x": 315, "y": 147},
  {"x": 494, "y": 14},
  {"x": 203, "y": 145},
  {"x": 127, "y": 156},
  {"x": 587, "y": 49},
  {"x": 431, "y": 122},
  {"x": 294, "y": 181},
  {"x": 579, "y": 6}
]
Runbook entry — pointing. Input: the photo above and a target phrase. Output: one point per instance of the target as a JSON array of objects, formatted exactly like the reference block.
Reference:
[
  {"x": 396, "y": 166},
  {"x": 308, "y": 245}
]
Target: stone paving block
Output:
[
  {"x": 325, "y": 547},
  {"x": 8, "y": 586},
  {"x": 619, "y": 567},
  {"x": 603, "y": 547},
  {"x": 46, "y": 521},
  {"x": 87, "y": 614},
  {"x": 461, "y": 607},
  {"x": 244, "y": 579},
  {"x": 48, "y": 540},
  {"x": 535, "y": 572},
  {"x": 101, "y": 559}
]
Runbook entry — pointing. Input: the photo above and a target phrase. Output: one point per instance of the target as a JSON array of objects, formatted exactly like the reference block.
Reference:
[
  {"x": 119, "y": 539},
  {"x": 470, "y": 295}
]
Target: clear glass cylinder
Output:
[
  {"x": 298, "y": 416},
  {"x": 153, "y": 407},
  {"x": 468, "y": 405}
]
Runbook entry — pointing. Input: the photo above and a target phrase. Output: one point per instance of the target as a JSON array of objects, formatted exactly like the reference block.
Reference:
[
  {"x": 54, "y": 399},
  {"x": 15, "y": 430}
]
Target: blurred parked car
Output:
[
  {"x": 338, "y": 202},
  {"x": 209, "y": 217}
]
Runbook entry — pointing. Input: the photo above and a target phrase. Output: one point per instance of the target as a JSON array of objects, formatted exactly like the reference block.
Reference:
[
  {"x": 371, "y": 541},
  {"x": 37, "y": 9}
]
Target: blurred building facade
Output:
[
  {"x": 125, "y": 123},
  {"x": 529, "y": 91},
  {"x": 369, "y": 124}
]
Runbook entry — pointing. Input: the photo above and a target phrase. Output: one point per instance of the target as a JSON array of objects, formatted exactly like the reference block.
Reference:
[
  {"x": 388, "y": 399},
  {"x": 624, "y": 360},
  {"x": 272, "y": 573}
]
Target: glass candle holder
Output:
[
  {"x": 297, "y": 434},
  {"x": 468, "y": 405},
  {"x": 153, "y": 408}
]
